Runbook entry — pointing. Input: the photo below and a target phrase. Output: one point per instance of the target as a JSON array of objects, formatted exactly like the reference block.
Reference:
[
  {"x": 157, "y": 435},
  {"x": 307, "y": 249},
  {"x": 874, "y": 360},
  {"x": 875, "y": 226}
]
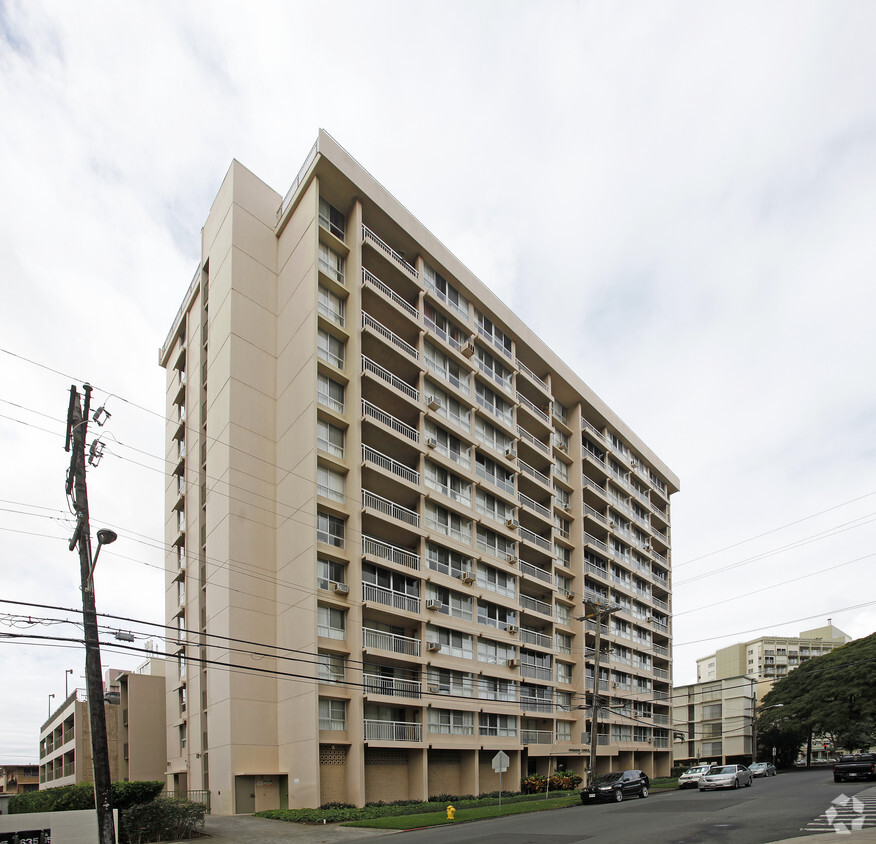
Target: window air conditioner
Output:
[
  {"x": 433, "y": 403},
  {"x": 563, "y": 447},
  {"x": 512, "y": 663},
  {"x": 511, "y": 559},
  {"x": 433, "y": 688},
  {"x": 512, "y": 629},
  {"x": 431, "y": 442},
  {"x": 433, "y": 646},
  {"x": 634, "y": 464},
  {"x": 468, "y": 349},
  {"x": 341, "y": 588},
  {"x": 510, "y": 452},
  {"x": 512, "y": 523},
  {"x": 433, "y": 604},
  {"x": 467, "y": 577}
]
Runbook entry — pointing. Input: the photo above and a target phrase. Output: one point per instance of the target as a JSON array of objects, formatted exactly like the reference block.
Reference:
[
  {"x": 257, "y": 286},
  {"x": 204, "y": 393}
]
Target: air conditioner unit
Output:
[
  {"x": 614, "y": 685},
  {"x": 649, "y": 618},
  {"x": 467, "y": 578},
  {"x": 510, "y": 452},
  {"x": 431, "y": 442},
  {"x": 433, "y": 646},
  {"x": 433, "y": 604},
  {"x": 570, "y": 594},
  {"x": 567, "y": 508},
  {"x": 433, "y": 403},
  {"x": 512, "y": 629},
  {"x": 563, "y": 447},
  {"x": 512, "y": 663},
  {"x": 341, "y": 588},
  {"x": 511, "y": 559},
  {"x": 433, "y": 688},
  {"x": 646, "y": 547},
  {"x": 634, "y": 464},
  {"x": 468, "y": 349},
  {"x": 512, "y": 523}
]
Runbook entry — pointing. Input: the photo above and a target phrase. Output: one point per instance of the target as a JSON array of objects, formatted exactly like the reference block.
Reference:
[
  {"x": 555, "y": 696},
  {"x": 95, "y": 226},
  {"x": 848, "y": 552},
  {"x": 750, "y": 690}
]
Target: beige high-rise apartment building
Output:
[{"x": 388, "y": 501}]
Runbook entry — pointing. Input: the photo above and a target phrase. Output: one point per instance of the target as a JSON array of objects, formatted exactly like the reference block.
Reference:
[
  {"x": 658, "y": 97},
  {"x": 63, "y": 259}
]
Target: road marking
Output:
[{"x": 846, "y": 814}]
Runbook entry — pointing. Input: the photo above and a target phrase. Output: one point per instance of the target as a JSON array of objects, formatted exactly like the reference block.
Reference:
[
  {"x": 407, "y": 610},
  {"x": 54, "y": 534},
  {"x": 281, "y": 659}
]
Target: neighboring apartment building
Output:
[
  {"x": 769, "y": 658},
  {"x": 16, "y": 779},
  {"x": 134, "y": 706},
  {"x": 388, "y": 502},
  {"x": 712, "y": 721}
]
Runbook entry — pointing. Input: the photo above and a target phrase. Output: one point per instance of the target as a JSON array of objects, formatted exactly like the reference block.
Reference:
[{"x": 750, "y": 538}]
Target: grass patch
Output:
[
  {"x": 473, "y": 814},
  {"x": 664, "y": 782}
]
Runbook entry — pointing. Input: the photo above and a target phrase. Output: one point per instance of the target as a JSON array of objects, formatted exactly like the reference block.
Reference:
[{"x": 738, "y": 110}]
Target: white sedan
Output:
[{"x": 726, "y": 776}]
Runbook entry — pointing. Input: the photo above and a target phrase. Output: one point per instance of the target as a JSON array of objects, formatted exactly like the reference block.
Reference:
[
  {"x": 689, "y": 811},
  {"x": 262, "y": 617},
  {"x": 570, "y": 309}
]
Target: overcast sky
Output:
[{"x": 679, "y": 197}]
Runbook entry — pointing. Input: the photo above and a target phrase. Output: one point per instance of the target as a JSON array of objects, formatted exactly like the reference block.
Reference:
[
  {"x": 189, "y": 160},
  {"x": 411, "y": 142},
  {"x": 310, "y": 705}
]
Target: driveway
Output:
[{"x": 237, "y": 829}]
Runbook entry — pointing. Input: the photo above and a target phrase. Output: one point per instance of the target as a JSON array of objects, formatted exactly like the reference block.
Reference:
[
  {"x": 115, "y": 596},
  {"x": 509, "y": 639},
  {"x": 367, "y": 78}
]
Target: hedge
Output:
[
  {"x": 68, "y": 798},
  {"x": 164, "y": 819}
]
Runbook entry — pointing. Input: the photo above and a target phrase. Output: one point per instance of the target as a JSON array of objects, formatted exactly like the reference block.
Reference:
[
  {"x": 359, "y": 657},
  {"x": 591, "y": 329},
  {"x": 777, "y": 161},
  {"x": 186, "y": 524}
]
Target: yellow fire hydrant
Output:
[{"x": 450, "y": 813}]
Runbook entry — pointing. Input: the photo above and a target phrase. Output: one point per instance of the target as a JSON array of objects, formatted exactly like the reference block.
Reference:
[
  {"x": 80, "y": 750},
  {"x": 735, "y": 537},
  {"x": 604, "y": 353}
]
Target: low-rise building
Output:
[{"x": 16, "y": 779}]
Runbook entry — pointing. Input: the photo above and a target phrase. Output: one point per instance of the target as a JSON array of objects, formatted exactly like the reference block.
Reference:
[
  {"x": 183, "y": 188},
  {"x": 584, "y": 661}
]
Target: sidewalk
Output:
[{"x": 237, "y": 829}]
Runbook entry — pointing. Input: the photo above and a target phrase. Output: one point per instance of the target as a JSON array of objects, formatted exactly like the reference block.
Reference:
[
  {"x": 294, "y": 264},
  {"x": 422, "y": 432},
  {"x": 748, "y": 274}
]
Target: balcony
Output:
[
  {"x": 532, "y": 637},
  {"x": 536, "y": 672},
  {"x": 533, "y": 440},
  {"x": 377, "y": 458},
  {"x": 373, "y": 281},
  {"x": 385, "y": 551},
  {"x": 371, "y": 593},
  {"x": 540, "y": 382},
  {"x": 392, "y": 642},
  {"x": 533, "y": 409},
  {"x": 535, "y": 571},
  {"x": 536, "y": 737},
  {"x": 369, "y": 365},
  {"x": 390, "y": 421},
  {"x": 368, "y": 236},
  {"x": 377, "y": 684},
  {"x": 368, "y": 321},
  {"x": 596, "y": 543},
  {"x": 534, "y": 538},
  {"x": 389, "y": 508},
  {"x": 393, "y": 731},
  {"x": 533, "y": 472},
  {"x": 528, "y": 502},
  {"x": 535, "y": 605}
]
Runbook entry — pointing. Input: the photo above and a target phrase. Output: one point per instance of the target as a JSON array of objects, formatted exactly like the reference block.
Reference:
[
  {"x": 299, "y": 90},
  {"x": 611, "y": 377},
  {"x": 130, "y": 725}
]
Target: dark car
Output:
[
  {"x": 616, "y": 786},
  {"x": 860, "y": 766}
]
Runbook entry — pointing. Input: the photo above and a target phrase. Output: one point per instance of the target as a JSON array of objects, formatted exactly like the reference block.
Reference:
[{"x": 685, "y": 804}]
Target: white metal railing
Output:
[
  {"x": 386, "y": 551},
  {"x": 392, "y": 642},
  {"x": 389, "y": 508},
  {"x": 494, "y": 340},
  {"x": 370, "y": 366},
  {"x": 446, "y": 375},
  {"x": 535, "y": 704},
  {"x": 390, "y": 598},
  {"x": 372, "y": 280},
  {"x": 504, "y": 383},
  {"x": 311, "y": 156},
  {"x": 532, "y": 637},
  {"x": 442, "y": 296},
  {"x": 534, "y": 604},
  {"x": 536, "y": 672},
  {"x": 589, "y": 482},
  {"x": 597, "y": 570},
  {"x": 376, "y": 684},
  {"x": 600, "y": 517},
  {"x": 459, "y": 535},
  {"x": 372, "y": 455},
  {"x": 530, "y": 438},
  {"x": 444, "y": 335},
  {"x": 535, "y": 571},
  {"x": 660, "y": 695},
  {"x": 534, "y": 538},
  {"x": 661, "y": 719},
  {"x": 660, "y": 625},
  {"x": 661, "y": 741},
  {"x": 393, "y": 730},
  {"x": 541, "y": 382},
  {"x": 507, "y": 485},
  {"x": 390, "y": 421},
  {"x": 536, "y": 737},
  {"x": 368, "y": 235},
  {"x": 660, "y": 650},
  {"x": 660, "y": 604},
  {"x": 589, "y": 452},
  {"x": 594, "y": 541},
  {"x": 661, "y": 673},
  {"x": 533, "y": 472},
  {"x": 531, "y": 406},
  {"x": 526, "y": 501},
  {"x": 368, "y": 321}
]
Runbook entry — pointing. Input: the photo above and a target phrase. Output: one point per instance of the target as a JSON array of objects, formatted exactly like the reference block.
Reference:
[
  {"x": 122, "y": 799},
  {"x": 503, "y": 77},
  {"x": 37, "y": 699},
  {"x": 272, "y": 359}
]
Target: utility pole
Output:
[
  {"x": 77, "y": 426},
  {"x": 599, "y": 612}
]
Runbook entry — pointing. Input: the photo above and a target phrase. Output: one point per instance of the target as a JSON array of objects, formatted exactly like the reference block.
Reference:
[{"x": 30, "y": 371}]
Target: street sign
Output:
[{"x": 501, "y": 762}]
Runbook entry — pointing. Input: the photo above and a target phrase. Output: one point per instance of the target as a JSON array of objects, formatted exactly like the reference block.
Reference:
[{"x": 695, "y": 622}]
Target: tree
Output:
[{"x": 832, "y": 694}]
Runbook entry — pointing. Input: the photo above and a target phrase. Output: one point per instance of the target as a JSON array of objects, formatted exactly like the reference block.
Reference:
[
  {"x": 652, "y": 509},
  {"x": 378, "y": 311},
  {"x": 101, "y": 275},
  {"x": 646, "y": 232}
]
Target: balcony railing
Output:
[
  {"x": 533, "y": 408},
  {"x": 598, "y": 543},
  {"x": 536, "y": 737},
  {"x": 378, "y": 640},
  {"x": 535, "y": 571},
  {"x": 390, "y": 421},
  {"x": 534, "y": 538},
  {"x": 368, "y": 235},
  {"x": 661, "y": 673},
  {"x": 373, "y": 281},
  {"x": 389, "y": 508},
  {"x": 533, "y": 440},
  {"x": 536, "y": 672},
  {"x": 526, "y": 501},
  {"x": 385, "y": 551},
  {"x": 534, "y": 604},
  {"x": 369, "y": 365},
  {"x": 659, "y": 650},
  {"x": 531, "y": 637},
  {"x": 368, "y": 321},
  {"x": 527, "y": 371},
  {"x": 376, "y": 684},
  {"x": 660, "y": 741},
  {"x": 390, "y": 598},
  {"x": 533, "y": 472},
  {"x": 378, "y": 458},
  {"x": 393, "y": 731}
]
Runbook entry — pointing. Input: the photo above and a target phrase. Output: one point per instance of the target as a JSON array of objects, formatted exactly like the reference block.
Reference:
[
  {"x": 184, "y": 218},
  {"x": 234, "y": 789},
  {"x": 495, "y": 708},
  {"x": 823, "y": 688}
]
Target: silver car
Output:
[
  {"x": 691, "y": 776},
  {"x": 726, "y": 776}
]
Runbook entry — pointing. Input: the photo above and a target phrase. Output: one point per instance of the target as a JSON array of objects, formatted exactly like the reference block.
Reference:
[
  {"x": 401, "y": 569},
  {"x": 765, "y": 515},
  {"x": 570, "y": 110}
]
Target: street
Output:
[{"x": 771, "y": 810}]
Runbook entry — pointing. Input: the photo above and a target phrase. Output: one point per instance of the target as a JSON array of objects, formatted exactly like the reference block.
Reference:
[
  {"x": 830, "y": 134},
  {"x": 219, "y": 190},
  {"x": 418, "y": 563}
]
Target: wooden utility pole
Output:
[
  {"x": 77, "y": 428},
  {"x": 598, "y": 612}
]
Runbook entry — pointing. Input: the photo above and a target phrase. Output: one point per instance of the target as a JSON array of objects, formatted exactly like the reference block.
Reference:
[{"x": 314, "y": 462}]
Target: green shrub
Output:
[
  {"x": 163, "y": 819},
  {"x": 68, "y": 798}
]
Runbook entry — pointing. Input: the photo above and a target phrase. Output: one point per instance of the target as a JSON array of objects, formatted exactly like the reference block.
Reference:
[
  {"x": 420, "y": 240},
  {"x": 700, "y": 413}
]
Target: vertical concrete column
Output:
[
  {"x": 469, "y": 779},
  {"x": 418, "y": 774}
]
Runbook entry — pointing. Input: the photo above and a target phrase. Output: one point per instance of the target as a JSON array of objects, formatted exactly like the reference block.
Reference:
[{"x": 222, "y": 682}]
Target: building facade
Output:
[
  {"x": 16, "y": 779},
  {"x": 769, "y": 658},
  {"x": 712, "y": 721},
  {"x": 388, "y": 502}
]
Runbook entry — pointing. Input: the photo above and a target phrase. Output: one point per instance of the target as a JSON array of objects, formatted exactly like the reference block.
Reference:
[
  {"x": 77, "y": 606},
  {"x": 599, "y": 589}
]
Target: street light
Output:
[
  {"x": 105, "y": 536},
  {"x": 66, "y": 688},
  {"x": 50, "y": 705}
]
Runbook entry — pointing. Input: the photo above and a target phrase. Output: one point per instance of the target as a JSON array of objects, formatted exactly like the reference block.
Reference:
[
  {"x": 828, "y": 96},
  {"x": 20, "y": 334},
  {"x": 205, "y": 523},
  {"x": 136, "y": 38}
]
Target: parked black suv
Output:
[{"x": 616, "y": 786}]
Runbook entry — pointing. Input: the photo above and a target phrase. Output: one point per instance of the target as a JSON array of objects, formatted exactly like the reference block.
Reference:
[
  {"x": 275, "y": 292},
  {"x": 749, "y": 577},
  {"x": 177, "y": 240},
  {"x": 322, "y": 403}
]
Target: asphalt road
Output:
[{"x": 772, "y": 809}]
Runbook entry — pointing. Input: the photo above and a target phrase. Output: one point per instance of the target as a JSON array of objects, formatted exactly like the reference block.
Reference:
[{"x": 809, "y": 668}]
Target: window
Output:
[
  {"x": 491, "y": 471},
  {"x": 330, "y": 438},
  {"x": 332, "y": 714},
  {"x": 446, "y": 561},
  {"x": 564, "y": 643},
  {"x": 495, "y": 653},
  {"x": 452, "y": 642},
  {"x": 445, "y": 368},
  {"x": 621, "y": 732},
  {"x": 330, "y": 668},
  {"x": 493, "y": 688},
  {"x": 563, "y": 555},
  {"x": 330, "y": 483},
  {"x": 329, "y": 572},
  {"x": 497, "y": 337},
  {"x": 497, "y": 581},
  {"x": 492, "y": 507},
  {"x": 495, "y": 616},
  {"x": 330, "y": 622},
  {"x": 331, "y": 306},
  {"x": 564, "y": 731},
  {"x": 445, "y": 482},
  {"x": 564, "y": 499},
  {"x": 448, "y": 445},
  {"x": 330, "y": 349},
  {"x": 712, "y": 711},
  {"x": 450, "y": 524},
  {"x": 330, "y": 529},
  {"x": 460, "y": 683},
  {"x": 331, "y": 263},
  {"x": 495, "y": 544},
  {"x": 183, "y": 738},
  {"x": 561, "y": 470},
  {"x": 561, "y": 413},
  {"x": 497, "y": 725},
  {"x": 451, "y": 722},
  {"x": 564, "y": 701},
  {"x": 332, "y": 219},
  {"x": 494, "y": 403},
  {"x": 564, "y": 672},
  {"x": 564, "y": 614},
  {"x": 330, "y": 393},
  {"x": 491, "y": 436},
  {"x": 446, "y": 292},
  {"x": 449, "y": 407},
  {"x": 452, "y": 603},
  {"x": 493, "y": 369},
  {"x": 443, "y": 327}
]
